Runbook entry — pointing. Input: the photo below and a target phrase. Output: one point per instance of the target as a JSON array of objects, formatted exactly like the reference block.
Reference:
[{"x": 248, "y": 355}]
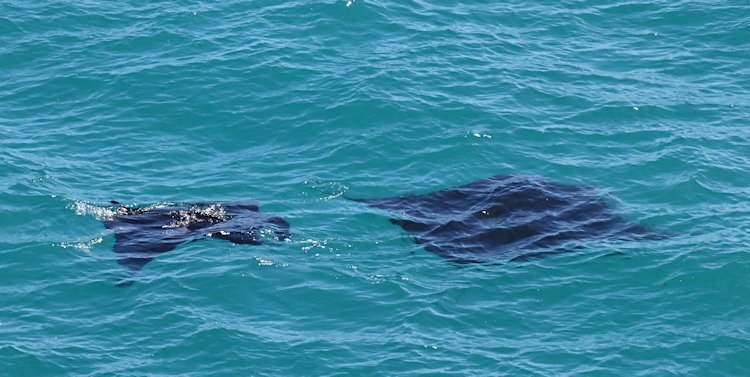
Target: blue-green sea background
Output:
[{"x": 294, "y": 103}]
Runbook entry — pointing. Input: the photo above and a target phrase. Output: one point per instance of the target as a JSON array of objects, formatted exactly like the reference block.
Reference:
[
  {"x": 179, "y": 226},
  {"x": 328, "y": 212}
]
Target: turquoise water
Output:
[{"x": 293, "y": 104}]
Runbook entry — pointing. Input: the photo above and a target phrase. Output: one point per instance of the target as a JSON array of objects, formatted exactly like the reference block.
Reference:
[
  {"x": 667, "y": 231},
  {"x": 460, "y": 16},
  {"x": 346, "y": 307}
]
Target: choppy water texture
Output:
[{"x": 292, "y": 104}]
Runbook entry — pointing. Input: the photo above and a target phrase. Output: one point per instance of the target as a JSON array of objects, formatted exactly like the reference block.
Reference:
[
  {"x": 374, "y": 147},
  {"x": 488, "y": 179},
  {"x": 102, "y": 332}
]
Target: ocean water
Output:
[{"x": 294, "y": 104}]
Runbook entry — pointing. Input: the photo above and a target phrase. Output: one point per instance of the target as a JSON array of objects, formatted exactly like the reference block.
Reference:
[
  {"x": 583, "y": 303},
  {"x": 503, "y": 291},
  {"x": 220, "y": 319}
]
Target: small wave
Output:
[{"x": 84, "y": 246}]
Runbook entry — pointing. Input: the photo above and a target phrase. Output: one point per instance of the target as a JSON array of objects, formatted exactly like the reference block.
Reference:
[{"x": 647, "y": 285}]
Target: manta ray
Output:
[
  {"x": 142, "y": 233},
  {"x": 514, "y": 216}
]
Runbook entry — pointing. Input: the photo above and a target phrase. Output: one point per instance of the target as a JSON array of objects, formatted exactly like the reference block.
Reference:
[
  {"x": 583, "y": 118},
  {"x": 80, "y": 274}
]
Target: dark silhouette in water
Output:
[
  {"x": 141, "y": 233},
  {"x": 507, "y": 215}
]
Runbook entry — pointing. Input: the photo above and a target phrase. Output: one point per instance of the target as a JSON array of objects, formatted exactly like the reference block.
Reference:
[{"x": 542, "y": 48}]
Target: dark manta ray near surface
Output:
[
  {"x": 506, "y": 215},
  {"x": 141, "y": 233}
]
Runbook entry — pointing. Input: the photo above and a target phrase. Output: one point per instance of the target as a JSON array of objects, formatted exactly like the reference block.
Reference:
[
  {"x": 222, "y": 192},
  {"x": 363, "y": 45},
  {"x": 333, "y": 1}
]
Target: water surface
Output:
[{"x": 293, "y": 104}]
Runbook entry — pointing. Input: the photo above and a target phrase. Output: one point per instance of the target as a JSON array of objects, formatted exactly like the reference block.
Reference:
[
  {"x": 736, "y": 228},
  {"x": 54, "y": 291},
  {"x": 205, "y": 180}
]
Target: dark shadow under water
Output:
[{"x": 507, "y": 215}]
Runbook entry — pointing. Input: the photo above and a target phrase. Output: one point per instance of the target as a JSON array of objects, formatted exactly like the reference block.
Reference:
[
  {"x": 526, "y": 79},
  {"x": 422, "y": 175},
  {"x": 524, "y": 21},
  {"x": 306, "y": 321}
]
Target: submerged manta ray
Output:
[
  {"x": 141, "y": 233},
  {"x": 507, "y": 215}
]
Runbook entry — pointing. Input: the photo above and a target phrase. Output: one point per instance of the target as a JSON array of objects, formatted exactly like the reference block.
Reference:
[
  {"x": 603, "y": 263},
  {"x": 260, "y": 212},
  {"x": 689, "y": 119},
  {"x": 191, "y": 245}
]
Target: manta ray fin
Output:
[{"x": 410, "y": 226}]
